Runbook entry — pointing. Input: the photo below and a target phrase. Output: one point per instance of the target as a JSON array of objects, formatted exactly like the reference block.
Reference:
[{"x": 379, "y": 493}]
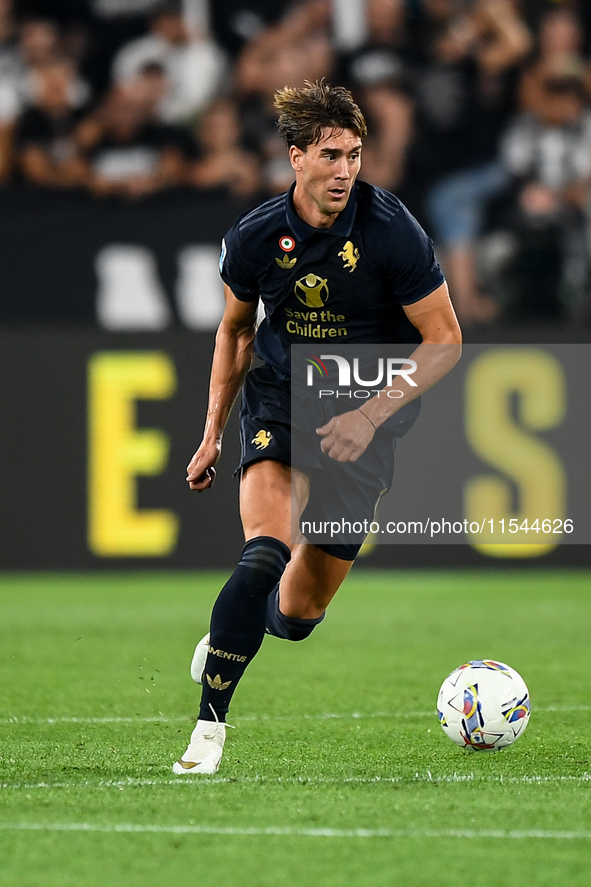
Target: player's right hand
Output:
[{"x": 201, "y": 470}]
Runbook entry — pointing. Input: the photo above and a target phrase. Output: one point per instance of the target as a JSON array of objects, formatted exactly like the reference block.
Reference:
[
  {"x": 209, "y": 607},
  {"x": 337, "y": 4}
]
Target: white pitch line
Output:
[
  {"x": 303, "y": 781},
  {"x": 323, "y": 716},
  {"x": 289, "y": 831}
]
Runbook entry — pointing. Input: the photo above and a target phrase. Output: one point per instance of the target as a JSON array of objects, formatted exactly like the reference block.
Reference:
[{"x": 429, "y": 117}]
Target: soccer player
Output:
[{"x": 330, "y": 235}]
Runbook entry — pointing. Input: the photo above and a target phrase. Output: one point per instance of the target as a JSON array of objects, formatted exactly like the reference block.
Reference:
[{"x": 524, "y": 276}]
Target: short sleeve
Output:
[
  {"x": 411, "y": 265},
  {"x": 235, "y": 269}
]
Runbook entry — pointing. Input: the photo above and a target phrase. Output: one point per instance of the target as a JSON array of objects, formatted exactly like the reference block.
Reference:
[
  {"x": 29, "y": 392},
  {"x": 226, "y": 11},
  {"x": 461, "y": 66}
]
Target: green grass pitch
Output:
[{"x": 337, "y": 774}]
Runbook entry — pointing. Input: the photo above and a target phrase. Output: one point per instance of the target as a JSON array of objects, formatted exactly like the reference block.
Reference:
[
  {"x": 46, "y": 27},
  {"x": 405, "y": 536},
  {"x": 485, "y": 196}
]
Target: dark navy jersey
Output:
[{"x": 344, "y": 284}]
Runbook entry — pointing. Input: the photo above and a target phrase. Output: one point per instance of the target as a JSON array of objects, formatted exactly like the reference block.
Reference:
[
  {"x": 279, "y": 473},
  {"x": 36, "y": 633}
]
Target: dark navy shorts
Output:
[{"x": 339, "y": 491}]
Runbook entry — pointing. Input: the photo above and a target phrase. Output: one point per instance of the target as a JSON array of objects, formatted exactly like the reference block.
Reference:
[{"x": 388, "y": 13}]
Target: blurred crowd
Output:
[{"x": 479, "y": 115}]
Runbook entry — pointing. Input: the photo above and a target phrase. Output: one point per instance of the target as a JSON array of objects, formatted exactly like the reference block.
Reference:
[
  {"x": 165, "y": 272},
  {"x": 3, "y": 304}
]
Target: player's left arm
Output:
[{"x": 347, "y": 436}]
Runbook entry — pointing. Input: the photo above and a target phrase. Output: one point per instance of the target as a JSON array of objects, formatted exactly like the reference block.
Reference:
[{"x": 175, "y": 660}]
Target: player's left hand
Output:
[{"x": 346, "y": 437}]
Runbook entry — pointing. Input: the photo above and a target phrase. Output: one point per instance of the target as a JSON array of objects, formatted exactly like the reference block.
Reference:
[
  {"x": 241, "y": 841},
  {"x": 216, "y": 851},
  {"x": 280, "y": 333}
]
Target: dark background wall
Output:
[{"x": 51, "y": 244}]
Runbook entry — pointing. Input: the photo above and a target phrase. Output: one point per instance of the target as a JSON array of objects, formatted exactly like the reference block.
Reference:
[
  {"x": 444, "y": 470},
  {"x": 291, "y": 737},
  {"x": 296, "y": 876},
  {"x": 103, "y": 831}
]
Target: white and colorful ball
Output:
[{"x": 484, "y": 705}]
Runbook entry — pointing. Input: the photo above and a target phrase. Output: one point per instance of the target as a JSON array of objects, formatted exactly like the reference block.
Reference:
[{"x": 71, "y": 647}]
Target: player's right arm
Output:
[{"x": 234, "y": 347}]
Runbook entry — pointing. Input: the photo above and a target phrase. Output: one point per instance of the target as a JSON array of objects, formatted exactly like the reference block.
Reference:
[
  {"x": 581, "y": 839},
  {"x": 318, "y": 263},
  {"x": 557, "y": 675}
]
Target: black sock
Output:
[
  {"x": 287, "y": 627},
  {"x": 238, "y": 621}
]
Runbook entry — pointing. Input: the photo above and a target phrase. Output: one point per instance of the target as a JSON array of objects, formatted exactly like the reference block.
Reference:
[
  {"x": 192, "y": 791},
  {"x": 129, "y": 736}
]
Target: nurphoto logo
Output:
[{"x": 387, "y": 370}]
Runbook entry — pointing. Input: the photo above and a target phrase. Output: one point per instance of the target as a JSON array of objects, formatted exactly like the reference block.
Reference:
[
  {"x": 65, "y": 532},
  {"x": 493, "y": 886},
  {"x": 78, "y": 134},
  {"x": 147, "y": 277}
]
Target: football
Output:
[{"x": 484, "y": 705}]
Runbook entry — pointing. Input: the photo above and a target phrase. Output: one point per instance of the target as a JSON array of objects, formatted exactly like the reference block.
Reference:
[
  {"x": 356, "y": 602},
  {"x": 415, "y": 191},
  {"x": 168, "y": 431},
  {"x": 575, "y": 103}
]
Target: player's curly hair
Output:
[{"x": 304, "y": 112}]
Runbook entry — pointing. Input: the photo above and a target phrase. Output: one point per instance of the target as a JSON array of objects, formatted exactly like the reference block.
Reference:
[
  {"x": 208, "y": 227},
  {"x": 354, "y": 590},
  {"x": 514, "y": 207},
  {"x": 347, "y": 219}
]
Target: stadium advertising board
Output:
[
  {"x": 494, "y": 457},
  {"x": 97, "y": 430}
]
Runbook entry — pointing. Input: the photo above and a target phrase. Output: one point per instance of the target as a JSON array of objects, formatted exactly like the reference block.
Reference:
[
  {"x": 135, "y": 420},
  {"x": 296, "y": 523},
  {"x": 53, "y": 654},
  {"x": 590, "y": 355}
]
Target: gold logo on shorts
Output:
[
  {"x": 262, "y": 439},
  {"x": 217, "y": 683},
  {"x": 350, "y": 256}
]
